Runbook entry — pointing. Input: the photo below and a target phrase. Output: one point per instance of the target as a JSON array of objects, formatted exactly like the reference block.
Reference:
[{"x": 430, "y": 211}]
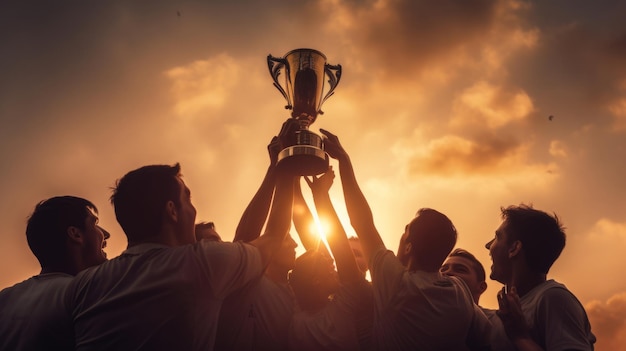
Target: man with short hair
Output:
[
  {"x": 166, "y": 290},
  {"x": 535, "y": 313},
  {"x": 335, "y": 307},
  {"x": 63, "y": 233},
  {"x": 416, "y": 306},
  {"x": 464, "y": 265}
]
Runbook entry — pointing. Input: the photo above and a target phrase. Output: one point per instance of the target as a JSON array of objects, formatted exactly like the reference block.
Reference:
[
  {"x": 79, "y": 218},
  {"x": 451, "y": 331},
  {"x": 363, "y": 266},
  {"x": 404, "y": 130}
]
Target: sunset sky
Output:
[{"x": 443, "y": 104}]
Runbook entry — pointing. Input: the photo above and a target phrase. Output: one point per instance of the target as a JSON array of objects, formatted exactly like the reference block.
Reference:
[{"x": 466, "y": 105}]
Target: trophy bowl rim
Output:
[{"x": 305, "y": 49}]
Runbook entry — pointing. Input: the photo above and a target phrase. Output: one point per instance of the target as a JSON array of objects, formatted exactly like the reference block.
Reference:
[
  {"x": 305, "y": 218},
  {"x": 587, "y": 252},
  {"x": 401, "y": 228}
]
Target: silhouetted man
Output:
[
  {"x": 165, "y": 291},
  {"x": 63, "y": 233},
  {"x": 416, "y": 306},
  {"x": 535, "y": 313},
  {"x": 335, "y": 308}
]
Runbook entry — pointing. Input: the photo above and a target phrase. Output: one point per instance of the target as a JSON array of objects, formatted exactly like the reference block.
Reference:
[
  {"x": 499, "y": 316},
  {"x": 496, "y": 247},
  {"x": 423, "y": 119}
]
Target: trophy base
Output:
[{"x": 303, "y": 160}]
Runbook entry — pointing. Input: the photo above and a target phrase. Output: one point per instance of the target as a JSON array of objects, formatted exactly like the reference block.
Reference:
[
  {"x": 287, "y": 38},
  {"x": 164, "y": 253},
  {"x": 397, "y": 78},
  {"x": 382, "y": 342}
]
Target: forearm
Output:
[
  {"x": 254, "y": 217},
  {"x": 279, "y": 220},
  {"x": 359, "y": 211},
  {"x": 347, "y": 267},
  {"x": 303, "y": 219}
]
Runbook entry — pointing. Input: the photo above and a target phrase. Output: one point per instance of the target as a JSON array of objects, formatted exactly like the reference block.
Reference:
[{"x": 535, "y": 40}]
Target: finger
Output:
[
  {"x": 310, "y": 182},
  {"x": 502, "y": 301},
  {"x": 327, "y": 133}
]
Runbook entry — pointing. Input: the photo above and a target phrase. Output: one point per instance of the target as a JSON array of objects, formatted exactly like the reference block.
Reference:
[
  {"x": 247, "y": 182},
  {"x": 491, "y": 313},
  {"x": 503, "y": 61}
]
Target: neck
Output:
[
  {"x": 526, "y": 282},
  {"x": 67, "y": 269}
]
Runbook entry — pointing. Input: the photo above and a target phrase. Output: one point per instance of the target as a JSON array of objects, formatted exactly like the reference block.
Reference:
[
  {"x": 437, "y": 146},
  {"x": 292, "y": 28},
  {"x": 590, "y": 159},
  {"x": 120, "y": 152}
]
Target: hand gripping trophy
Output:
[{"x": 305, "y": 70}]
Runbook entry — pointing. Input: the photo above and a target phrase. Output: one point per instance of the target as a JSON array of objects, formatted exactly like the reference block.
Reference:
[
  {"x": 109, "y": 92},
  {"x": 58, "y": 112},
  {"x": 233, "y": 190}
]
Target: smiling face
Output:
[
  {"x": 94, "y": 239},
  {"x": 499, "y": 248},
  {"x": 463, "y": 268}
]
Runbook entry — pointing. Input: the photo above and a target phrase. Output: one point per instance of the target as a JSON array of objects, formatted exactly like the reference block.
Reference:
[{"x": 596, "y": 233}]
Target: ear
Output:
[
  {"x": 170, "y": 211},
  {"x": 408, "y": 247},
  {"x": 482, "y": 287},
  {"x": 515, "y": 248},
  {"x": 74, "y": 235}
]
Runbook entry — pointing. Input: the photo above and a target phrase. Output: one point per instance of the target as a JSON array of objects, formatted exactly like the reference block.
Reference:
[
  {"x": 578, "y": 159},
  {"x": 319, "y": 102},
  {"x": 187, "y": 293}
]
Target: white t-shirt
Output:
[
  {"x": 256, "y": 317},
  {"x": 556, "y": 319},
  {"x": 335, "y": 327},
  {"x": 33, "y": 314},
  {"x": 154, "y": 297},
  {"x": 422, "y": 310}
]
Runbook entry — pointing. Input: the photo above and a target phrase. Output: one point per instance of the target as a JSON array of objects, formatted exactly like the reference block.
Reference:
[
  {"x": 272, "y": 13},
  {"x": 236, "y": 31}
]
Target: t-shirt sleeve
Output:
[
  {"x": 480, "y": 331},
  {"x": 229, "y": 266},
  {"x": 564, "y": 321},
  {"x": 387, "y": 272}
]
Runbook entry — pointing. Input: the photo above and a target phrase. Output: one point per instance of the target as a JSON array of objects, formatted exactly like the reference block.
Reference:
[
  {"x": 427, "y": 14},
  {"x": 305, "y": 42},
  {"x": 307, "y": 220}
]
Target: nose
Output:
[
  {"x": 488, "y": 245},
  {"x": 105, "y": 233}
]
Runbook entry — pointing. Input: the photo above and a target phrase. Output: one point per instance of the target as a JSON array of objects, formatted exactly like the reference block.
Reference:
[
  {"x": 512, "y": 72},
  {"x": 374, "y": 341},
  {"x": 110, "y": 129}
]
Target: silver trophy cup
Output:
[{"x": 303, "y": 88}]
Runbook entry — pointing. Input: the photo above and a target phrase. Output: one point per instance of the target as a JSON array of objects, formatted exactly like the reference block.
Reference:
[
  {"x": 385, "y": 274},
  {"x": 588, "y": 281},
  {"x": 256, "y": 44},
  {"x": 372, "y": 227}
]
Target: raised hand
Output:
[
  {"x": 322, "y": 183},
  {"x": 510, "y": 312},
  {"x": 287, "y": 134},
  {"x": 273, "y": 148},
  {"x": 332, "y": 145}
]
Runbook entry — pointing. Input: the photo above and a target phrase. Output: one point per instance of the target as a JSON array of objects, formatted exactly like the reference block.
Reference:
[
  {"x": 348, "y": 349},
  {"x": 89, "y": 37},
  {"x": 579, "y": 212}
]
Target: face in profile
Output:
[
  {"x": 402, "y": 247},
  {"x": 186, "y": 213},
  {"x": 94, "y": 239},
  {"x": 498, "y": 250}
]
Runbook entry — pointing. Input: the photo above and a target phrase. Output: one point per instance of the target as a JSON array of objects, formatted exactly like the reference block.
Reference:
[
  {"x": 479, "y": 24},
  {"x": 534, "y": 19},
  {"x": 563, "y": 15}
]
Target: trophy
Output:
[{"x": 303, "y": 89}]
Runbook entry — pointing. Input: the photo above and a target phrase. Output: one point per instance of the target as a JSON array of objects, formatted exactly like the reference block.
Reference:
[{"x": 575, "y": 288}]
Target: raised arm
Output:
[
  {"x": 303, "y": 219},
  {"x": 359, "y": 210},
  {"x": 347, "y": 268},
  {"x": 254, "y": 217},
  {"x": 279, "y": 220}
]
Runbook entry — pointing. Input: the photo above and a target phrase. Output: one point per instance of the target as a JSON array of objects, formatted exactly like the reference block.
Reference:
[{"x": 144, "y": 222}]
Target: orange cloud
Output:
[
  {"x": 203, "y": 84},
  {"x": 608, "y": 322},
  {"x": 486, "y": 104}
]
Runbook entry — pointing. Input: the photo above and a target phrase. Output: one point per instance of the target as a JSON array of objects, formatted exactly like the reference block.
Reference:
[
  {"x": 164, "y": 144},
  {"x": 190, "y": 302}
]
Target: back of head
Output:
[
  {"x": 310, "y": 277},
  {"x": 542, "y": 235},
  {"x": 432, "y": 236},
  {"x": 46, "y": 229},
  {"x": 139, "y": 199}
]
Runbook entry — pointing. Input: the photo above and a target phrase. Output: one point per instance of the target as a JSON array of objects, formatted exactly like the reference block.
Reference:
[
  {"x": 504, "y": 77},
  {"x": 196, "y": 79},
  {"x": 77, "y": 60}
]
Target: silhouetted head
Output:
[
  {"x": 63, "y": 233},
  {"x": 151, "y": 197},
  {"x": 313, "y": 279},
  {"x": 462, "y": 264},
  {"x": 427, "y": 241},
  {"x": 207, "y": 231},
  {"x": 528, "y": 234}
]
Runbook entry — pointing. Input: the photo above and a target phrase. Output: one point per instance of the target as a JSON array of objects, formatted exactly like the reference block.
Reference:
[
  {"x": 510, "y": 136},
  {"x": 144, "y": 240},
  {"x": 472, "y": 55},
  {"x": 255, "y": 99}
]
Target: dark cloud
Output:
[
  {"x": 578, "y": 61},
  {"x": 453, "y": 156},
  {"x": 405, "y": 36}
]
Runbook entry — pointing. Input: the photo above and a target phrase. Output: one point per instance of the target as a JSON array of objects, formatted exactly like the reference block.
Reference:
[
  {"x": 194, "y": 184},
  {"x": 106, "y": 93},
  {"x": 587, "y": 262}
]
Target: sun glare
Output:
[{"x": 321, "y": 228}]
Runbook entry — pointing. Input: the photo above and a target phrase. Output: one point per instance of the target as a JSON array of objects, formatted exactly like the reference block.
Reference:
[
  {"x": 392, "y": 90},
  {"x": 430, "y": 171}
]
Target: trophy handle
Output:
[
  {"x": 275, "y": 64},
  {"x": 334, "y": 75}
]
